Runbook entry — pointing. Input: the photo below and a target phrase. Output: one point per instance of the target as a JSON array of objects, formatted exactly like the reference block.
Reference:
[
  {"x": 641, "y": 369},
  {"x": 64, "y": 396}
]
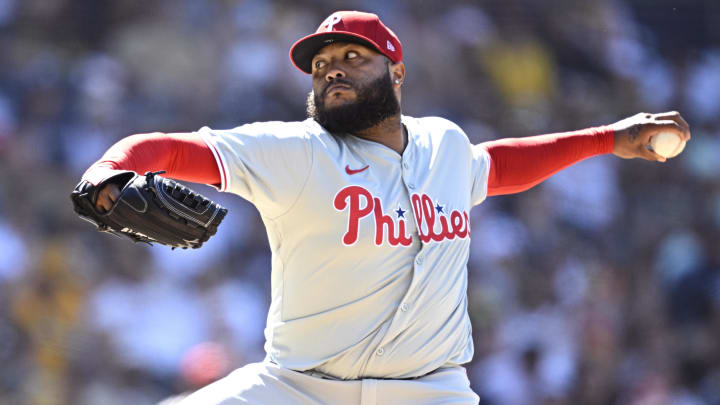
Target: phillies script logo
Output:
[{"x": 433, "y": 223}]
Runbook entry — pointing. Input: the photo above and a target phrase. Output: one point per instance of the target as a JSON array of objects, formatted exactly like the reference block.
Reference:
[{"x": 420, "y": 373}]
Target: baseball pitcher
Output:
[{"x": 367, "y": 216}]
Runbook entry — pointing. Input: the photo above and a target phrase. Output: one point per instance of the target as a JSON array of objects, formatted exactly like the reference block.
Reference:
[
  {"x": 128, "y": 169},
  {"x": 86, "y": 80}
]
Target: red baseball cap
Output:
[{"x": 347, "y": 26}]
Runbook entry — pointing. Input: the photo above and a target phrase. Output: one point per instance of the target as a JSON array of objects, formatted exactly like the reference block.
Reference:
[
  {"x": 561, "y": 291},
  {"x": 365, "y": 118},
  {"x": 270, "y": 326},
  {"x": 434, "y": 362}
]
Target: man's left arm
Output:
[{"x": 517, "y": 164}]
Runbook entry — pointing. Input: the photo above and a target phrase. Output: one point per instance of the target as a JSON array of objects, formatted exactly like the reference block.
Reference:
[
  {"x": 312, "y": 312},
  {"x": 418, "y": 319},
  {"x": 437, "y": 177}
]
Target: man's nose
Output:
[{"x": 334, "y": 73}]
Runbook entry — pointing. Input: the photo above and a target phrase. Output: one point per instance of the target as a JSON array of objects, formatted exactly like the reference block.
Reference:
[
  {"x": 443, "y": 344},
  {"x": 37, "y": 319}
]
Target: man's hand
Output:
[
  {"x": 632, "y": 135},
  {"x": 107, "y": 196}
]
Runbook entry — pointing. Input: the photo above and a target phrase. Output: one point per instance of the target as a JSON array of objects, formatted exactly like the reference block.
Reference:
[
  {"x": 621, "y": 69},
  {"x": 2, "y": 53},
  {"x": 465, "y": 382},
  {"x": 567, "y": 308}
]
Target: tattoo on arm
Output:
[{"x": 634, "y": 132}]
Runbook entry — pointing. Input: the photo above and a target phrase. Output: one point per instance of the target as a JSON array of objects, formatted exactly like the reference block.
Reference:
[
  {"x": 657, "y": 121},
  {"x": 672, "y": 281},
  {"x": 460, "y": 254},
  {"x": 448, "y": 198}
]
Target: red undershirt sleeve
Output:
[
  {"x": 518, "y": 164},
  {"x": 183, "y": 156}
]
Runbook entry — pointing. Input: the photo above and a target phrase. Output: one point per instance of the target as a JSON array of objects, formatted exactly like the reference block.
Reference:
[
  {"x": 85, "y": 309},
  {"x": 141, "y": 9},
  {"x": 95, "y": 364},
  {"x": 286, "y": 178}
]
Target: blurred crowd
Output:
[{"x": 600, "y": 286}]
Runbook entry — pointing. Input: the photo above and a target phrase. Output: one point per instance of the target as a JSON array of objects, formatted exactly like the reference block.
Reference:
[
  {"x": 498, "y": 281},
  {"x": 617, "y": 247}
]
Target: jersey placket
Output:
[{"x": 403, "y": 313}]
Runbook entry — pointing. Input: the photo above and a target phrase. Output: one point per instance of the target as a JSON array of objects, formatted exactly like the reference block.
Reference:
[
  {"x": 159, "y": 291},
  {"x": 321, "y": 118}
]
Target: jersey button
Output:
[
  {"x": 411, "y": 186},
  {"x": 404, "y": 307},
  {"x": 406, "y": 166},
  {"x": 419, "y": 260},
  {"x": 380, "y": 351}
]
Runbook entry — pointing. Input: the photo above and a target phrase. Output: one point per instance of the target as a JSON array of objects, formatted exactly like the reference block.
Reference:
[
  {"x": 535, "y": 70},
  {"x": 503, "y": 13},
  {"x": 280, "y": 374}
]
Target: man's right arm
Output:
[{"x": 183, "y": 156}]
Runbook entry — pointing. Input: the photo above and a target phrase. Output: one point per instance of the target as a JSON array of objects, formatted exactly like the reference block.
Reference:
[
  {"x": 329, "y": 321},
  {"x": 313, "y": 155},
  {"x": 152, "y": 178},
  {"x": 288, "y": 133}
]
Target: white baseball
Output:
[{"x": 667, "y": 144}]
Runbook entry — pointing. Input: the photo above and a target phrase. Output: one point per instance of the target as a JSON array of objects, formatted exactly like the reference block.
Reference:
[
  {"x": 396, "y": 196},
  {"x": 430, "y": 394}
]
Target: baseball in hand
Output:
[{"x": 667, "y": 144}]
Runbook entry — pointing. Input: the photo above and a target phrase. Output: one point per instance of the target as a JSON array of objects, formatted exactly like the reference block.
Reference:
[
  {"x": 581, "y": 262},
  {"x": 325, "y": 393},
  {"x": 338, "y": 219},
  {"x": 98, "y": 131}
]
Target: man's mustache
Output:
[{"x": 338, "y": 80}]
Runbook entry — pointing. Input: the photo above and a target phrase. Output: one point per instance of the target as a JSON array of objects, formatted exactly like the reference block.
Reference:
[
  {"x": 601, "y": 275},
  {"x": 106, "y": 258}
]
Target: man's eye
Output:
[
  {"x": 351, "y": 55},
  {"x": 319, "y": 64}
]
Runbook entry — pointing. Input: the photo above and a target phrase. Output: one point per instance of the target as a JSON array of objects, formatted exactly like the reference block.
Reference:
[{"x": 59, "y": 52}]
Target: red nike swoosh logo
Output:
[{"x": 348, "y": 170}]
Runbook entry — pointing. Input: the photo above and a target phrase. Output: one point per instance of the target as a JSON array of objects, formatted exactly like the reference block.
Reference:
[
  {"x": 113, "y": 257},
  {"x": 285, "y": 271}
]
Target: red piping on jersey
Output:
[{"x": 223, "y": 173}]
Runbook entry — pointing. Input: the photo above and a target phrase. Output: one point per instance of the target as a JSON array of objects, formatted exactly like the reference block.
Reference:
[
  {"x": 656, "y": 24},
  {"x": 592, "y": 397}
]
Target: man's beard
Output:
[{"x": 375, "y": 103}]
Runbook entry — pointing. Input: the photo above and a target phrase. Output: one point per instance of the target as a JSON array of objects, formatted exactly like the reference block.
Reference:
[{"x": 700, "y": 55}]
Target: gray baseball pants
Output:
[{"x": 269, "y": 384}]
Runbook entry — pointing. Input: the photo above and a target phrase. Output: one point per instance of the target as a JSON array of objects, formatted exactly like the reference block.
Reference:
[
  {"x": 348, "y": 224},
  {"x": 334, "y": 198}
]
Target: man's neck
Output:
[{"x": 389, "y": 132}]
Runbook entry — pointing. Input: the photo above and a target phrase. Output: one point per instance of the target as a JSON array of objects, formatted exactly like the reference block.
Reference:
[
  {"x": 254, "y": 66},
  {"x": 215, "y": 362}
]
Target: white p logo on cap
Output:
[{"x": 331, "y": 21}]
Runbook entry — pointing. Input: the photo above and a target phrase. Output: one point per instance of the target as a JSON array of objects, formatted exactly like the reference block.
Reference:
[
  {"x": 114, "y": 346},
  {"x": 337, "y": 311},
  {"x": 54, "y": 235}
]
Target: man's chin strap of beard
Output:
[{"x": 375, "y": 102}]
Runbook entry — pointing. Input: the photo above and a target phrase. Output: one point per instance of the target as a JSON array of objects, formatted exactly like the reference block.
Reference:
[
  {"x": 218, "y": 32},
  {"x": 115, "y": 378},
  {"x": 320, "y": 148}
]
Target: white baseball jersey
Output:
[{"x": 369, "y": 248}]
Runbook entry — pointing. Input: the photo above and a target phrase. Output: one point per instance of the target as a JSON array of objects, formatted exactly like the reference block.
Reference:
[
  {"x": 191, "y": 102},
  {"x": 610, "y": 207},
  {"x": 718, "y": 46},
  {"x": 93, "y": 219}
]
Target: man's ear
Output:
[{"x": 397, "y": 73}]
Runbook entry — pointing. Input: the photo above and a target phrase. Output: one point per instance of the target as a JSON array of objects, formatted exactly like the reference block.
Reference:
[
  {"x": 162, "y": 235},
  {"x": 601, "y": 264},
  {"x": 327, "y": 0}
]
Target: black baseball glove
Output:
[{"x": 151, "y": 208}]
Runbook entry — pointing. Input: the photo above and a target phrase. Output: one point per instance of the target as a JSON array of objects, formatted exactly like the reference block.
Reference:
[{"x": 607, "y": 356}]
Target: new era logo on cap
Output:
[{"x": 347, "y": 26}]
